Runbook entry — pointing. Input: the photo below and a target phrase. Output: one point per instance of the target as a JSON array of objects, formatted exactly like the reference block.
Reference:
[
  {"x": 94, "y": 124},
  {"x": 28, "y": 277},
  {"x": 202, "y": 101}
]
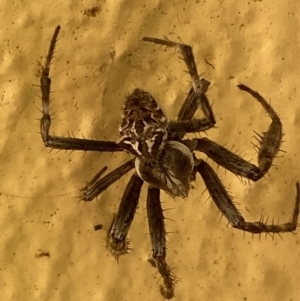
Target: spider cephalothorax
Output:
[
  {"x": 167, "y": 161},
  {"x": 172, "y": 170}
]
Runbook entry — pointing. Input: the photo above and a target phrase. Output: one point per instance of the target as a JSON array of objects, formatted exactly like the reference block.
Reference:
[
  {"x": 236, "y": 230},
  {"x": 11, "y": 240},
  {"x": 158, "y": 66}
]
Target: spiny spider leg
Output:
[
  {"x": 116, "y": 241},
  {"x": 189, "y": 107},
  {"x": 224, "y": 157},
  {"x": 221, "y": 198},
  {"x": 269, "y": 146},
  {"x": 200, "y": 87},
  {"x": 158, "y": 240},
  {"x": 185, "y": 122},
  {"x": 66, "y": 143},
  {"x": 271, "y": 140},
  {"x": 96, "y": 186}
]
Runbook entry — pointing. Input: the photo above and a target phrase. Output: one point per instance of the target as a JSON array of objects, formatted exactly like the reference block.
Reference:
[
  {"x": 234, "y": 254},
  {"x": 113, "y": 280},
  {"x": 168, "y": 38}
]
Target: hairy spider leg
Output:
[
  {"x": 223, "y": 201},
  {"x": 185, "y": 123},
  {"x": 64, "y": 143},
  {"x": 117, "y": 240},
  {"x": 97, "y": 185},
  {"x": 268, "y": 149},
  {"x": 158, "y": 240}
]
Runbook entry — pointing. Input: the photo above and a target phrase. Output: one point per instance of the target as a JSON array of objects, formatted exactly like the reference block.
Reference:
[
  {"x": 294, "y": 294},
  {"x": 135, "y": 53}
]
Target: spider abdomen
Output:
[
  {"x": 171, "y": 171},
  {"x": 144, "y": 125}
]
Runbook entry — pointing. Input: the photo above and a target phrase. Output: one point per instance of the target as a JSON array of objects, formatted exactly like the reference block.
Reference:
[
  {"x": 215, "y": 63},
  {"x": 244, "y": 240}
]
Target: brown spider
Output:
[{"x": 166, "y": 161}]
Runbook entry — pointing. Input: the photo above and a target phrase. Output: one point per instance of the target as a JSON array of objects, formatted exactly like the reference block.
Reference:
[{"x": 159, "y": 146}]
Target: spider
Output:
[{"x": 166, "y": 160}]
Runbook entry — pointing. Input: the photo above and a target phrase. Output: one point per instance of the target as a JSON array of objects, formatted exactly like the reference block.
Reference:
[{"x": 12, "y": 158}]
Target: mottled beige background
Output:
[{"x": 254, "y": 42}]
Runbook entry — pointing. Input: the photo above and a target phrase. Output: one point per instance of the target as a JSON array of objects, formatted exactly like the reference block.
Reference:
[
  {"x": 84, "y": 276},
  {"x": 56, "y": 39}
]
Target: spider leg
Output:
[
  {"x": 185, "y": 122},
  {"x": 271, "y": 140},
  {"x": 223, "y": 201},
  {"x": 224, "y": 157},
  {"x": 116, "y": 239},
  {"x": 158, "y": 241},
  {"x": 96, "y": 185},
  {"x": 268, "y": 149},
  {"x": 66, "y": 143},
  {"x": 190, "y": 105},
  {"x": 196, "y": 97}
]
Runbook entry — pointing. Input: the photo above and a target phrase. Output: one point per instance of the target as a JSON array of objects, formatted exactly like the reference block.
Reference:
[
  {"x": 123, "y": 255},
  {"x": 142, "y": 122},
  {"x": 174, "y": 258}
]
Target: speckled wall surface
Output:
[{"x": 255, "y": 43}]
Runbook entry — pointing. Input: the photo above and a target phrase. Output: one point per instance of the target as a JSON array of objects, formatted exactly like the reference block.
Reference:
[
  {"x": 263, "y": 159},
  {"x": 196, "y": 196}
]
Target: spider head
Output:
[
  {"x": 172, "y": 172},
  {"x": 144, "y": 126}
]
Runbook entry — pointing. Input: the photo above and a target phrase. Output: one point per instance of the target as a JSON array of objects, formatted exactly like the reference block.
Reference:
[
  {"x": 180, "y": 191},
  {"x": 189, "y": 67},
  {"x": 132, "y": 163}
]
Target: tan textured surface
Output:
[{"x": 256, "y": 43}]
